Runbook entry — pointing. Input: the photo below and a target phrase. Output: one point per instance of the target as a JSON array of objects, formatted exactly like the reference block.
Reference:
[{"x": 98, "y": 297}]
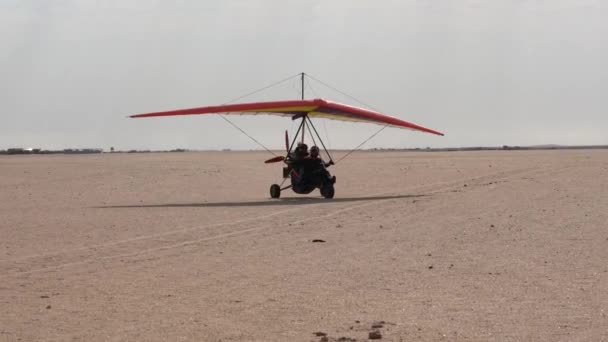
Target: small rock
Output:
[
  {"x": 44, "y": 296},
  {"x": 357, "y": 322},
  {"x": 377, "y": 325},
  {"x": 48, "y": 307},
  {"x": 320, "y": 333},
  {"x": 318, "y": 240},
  {"x": 338, "y": 226},
  {"x": 324, "y": 339},
  {"x": 491, "y": 226},
  {"x": 375, "y": 335},
  {"x": 465, "y": 185},
  {"x": 431, "y": 267}
]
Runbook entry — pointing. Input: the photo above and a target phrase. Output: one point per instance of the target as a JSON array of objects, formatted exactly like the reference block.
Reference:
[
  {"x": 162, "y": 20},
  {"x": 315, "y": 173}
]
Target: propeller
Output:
[
  {"x": 286, "y": 142},
  {"x": 280, "y": 158},
  {"x": 275, "y": 159}
]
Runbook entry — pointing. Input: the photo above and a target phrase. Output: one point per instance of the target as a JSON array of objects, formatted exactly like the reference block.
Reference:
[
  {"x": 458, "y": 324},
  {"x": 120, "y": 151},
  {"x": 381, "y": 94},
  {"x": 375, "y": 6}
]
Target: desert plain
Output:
[{"x": 454, "y": 246}]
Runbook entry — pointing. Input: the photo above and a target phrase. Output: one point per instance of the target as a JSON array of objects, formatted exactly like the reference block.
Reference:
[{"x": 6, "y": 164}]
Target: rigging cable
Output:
[
  {"x": 360, "y": 102},
  {"x": 223, "y": 116},
  {"x": 263, "y": 88},
  {"x": 310, "y": 132},
  {"x": 312, "y": 90},
  {"x": 361, "y": 144},
  {"x": 249, "y": 136},
  {"x": 341, "y": 92}
]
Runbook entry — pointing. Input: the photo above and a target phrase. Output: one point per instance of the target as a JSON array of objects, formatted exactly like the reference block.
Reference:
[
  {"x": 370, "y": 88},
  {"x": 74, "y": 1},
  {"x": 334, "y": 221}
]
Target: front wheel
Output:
[
  {"x": 275, "y": 191},
  {"x": 328, "y": 191}
]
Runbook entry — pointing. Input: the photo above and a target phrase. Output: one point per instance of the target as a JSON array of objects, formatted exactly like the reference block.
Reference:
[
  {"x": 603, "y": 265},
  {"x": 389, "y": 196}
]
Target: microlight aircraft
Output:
[{"x": 305, "y": 172}]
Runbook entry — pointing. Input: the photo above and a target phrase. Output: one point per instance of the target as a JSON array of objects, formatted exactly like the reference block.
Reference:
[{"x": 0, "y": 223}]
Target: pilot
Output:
[
  {"x": 298, "y": 157},
  {"x": 301, "y": 151}
]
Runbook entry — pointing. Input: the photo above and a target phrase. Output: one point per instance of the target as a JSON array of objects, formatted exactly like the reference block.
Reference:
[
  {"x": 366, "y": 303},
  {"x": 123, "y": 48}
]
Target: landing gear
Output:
[
  {"x": 275, "y": 191},
  {"x": 327, "y": 190}
]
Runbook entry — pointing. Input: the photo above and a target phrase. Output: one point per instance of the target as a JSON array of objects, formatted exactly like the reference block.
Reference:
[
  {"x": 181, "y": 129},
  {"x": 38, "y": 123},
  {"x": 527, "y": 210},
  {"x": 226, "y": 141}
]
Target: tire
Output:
[
  {"x": 275, "y": 191},
  {"x": 328, "y": 191}
]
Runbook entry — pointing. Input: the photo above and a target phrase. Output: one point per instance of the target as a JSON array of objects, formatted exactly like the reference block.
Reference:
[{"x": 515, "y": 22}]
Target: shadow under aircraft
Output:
[{"x": 269, "y": 202}]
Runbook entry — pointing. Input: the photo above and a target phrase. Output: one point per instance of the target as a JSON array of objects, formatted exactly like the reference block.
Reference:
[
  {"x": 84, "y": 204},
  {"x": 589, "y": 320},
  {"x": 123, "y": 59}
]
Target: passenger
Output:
[
  {"x": 314, "y": 154},
  {"x": 315, "y": 167}
]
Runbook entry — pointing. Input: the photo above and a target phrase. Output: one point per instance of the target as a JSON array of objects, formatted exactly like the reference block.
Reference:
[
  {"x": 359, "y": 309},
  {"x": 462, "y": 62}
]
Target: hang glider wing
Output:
[{"x": 317, "y": 108}]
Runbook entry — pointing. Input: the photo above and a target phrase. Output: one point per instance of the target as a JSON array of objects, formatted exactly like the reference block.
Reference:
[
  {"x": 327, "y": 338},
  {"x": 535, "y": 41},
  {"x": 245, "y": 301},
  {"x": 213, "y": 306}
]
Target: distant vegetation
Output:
[
  {"x": 159, "y": 151},
  {"x": 19, "y": 150},
  {"x": 417, "y": 149},
  {"x": 490, "y": 148}
]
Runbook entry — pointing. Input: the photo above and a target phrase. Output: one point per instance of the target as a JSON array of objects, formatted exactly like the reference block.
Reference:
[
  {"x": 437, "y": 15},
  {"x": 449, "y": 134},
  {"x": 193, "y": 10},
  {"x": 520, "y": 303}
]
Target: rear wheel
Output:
[
  {"x": 275, "y": 191},
  {"x": 328, "y": 191}
]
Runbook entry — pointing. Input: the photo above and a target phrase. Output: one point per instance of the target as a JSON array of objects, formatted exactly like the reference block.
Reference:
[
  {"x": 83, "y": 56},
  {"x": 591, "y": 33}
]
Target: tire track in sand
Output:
[{"x": 113, "y": 250}]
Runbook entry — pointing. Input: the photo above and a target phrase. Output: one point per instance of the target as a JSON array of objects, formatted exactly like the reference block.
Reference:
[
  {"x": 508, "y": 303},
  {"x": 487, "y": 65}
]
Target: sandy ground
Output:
[{"x": 475, "y": 246}]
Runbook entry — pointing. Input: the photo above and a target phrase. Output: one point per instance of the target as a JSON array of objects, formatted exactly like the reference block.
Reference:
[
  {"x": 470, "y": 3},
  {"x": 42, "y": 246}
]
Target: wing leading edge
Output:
[{"x": 317, "y": 108}]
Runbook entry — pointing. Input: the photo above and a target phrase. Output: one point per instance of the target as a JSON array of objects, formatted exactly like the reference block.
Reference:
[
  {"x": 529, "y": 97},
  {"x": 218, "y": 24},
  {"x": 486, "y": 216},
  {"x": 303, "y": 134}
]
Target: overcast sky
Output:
[{"x": 484, "y": 72}]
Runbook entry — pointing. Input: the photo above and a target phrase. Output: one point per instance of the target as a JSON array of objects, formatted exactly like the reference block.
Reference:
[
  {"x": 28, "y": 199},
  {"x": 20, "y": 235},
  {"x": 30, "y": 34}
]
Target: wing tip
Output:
[{"x": 136, "y": 116}]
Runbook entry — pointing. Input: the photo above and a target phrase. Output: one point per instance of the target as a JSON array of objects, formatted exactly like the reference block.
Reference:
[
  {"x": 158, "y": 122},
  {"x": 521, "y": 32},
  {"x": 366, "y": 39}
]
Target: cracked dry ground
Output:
[{"x": 502, "y": 245}]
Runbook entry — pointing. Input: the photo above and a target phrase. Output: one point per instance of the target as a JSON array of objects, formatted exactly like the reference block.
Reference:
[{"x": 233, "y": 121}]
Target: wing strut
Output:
[
  {"x": 307, "y": 122},
  {"x": 318, "y": 136}
]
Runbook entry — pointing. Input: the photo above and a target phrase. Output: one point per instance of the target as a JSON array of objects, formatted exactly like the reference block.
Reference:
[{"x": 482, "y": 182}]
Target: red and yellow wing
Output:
[{"x": 317, "y": 108}]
